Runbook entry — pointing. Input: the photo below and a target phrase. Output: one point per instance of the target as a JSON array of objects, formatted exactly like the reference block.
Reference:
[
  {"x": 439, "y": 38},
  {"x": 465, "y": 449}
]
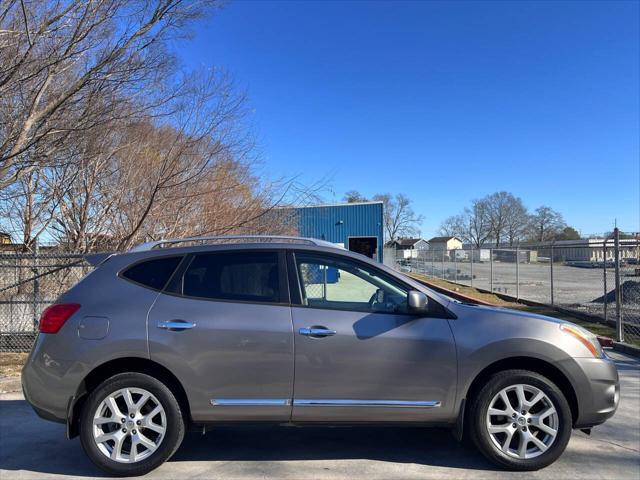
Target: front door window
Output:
[{"x": 343, "y": 285}]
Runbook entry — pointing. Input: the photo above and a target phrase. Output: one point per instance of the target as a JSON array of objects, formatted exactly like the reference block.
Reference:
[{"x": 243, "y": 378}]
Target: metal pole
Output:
[
  {"x": 604, "y": 272},
  {"x": 444, "y": 250},
  {"x": 551, "y": 274},
  {"x": 517, "y": 272},
  {"x": 455, "y": 265},
  {"x": 324, "y": 286},
  {"x": 491, "y": 268},
  {"x": 616, "y": 253},
  {"x": 36, "y": 285},
  {"x": 433, "y": 267},
  {"x": 472, "y": 266}
]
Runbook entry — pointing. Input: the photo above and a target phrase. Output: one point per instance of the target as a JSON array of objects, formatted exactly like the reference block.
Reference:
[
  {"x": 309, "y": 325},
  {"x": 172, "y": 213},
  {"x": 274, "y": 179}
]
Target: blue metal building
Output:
[{"x": 356, "y": 226}]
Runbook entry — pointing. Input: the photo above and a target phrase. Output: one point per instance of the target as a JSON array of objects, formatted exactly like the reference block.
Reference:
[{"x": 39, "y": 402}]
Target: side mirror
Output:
[{"x": 417, "y": 302}]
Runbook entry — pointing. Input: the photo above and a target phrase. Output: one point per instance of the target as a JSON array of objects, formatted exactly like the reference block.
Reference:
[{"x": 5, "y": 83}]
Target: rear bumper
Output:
[
  {"x": 47, "y": 385},
  {"x": 42, "y": 413},
  {"x": 598, "y": 391}
]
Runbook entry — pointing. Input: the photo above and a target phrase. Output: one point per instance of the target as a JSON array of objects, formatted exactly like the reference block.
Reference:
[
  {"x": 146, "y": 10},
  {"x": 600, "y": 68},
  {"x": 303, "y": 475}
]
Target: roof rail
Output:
[{"x": 237, "y": 238}]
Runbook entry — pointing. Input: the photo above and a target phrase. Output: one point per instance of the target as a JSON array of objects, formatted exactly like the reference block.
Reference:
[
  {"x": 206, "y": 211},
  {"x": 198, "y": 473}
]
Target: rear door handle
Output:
[
  {"x": 317, "y": 332},
  {"x": 176, "y": 325}
]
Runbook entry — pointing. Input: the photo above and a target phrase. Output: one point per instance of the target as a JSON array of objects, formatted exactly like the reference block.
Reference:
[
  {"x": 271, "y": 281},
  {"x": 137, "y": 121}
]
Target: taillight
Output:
[{"x": 54, "y": 316}]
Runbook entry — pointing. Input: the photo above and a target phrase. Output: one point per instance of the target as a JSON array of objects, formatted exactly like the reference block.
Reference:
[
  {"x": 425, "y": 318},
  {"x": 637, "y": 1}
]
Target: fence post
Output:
[
  {"x": 491, "y": 268},
  {"x": 517, "y": 272},
  {"x": 604, "y": 273},
  {"x": 444, "y": 250},
  {"x": 551, "y": 274},
  {"x": 455, "y": 265},
  {"x": 616, "y": 253},
  {"x": 36, "y": 285},
  {"x": 471, "y": 251},
  {"x": 433, "y": 266}
]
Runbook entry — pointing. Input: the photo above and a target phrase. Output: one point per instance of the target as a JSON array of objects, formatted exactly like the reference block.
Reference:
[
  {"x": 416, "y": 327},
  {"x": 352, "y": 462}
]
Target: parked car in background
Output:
[{"x": 180, "y": 333}]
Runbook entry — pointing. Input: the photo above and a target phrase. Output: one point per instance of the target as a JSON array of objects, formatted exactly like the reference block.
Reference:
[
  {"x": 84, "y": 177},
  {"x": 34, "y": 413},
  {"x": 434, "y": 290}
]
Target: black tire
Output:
[
  {"x": 173, "y": 435},
  {"x": 477, "y": 422}
]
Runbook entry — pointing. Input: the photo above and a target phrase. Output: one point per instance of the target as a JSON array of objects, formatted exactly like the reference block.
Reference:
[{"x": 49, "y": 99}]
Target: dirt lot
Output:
[
  {"x": 597, "y": 328},
  {"x": 11, "y": 364}
]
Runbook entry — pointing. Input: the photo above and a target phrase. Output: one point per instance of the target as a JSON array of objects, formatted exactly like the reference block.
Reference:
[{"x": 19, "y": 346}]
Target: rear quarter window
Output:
[{"x": 154, "y": 273}]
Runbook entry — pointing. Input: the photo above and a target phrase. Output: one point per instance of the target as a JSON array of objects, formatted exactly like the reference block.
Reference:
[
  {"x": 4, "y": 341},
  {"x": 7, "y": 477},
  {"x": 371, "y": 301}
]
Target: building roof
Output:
[
  {"x": 443, "y": 239},
  {"x": 325, "y": 205},
  {"x": 405, "y": 242},
  {"x": 408, "y": 241}
]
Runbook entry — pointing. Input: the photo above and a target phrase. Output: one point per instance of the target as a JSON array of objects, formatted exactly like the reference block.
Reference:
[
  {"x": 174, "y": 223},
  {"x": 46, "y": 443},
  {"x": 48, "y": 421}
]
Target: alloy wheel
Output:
[
  {"x": 522, "y": 421},
  {"x": 129, "y": 425}
]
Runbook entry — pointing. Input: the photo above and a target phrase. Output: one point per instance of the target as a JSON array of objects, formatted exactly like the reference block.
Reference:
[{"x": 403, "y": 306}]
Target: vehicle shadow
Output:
[
  {"x": 30, "y": 444},
  {"x": 397, "y": 444}
]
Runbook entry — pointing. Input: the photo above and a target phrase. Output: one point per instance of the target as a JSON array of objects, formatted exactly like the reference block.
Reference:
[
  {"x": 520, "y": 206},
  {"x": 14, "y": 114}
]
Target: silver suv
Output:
[{"x": 292, "y": 330}]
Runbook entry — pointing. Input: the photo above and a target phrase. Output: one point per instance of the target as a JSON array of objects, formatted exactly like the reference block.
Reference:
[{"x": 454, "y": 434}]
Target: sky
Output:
[{"x": 443, "y": 101}]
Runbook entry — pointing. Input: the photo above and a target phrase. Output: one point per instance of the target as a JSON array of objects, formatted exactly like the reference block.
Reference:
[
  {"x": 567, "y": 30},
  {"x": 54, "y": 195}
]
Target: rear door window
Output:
[
  {"x": 154, "y": 273},
  {"x": 234, "y": 276}
]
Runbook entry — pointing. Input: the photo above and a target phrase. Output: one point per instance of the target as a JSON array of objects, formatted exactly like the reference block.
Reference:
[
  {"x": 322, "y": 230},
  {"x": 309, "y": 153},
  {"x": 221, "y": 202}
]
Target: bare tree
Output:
[
  {"x": 545, "y": 223},
  {"x": 66, "y": 67},
  {"x": 478, "y": 222},
  {"x": 508, "y": 217},
  {"x": 86, "y": 191},
  {"x": 472, "y": 226},
  {"x": 517, "y": 221},
  {"x": 454, "y": 226},
  {"x": 502, "y": 215},
  {"x": 136, "y": 179},
  {"x": 399, "y": 219},
  {"x": 105, "y": 142},
  {"x": 27, "y": 208},
  {"x": 498, "y": 211}
]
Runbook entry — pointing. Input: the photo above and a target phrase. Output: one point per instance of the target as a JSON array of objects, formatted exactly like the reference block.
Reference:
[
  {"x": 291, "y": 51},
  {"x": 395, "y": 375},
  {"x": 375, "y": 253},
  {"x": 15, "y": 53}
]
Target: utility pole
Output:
[
  {"x": 491, "y": 267},
  {"x": 518, "y": 272},
  {"x": 604, "y": 273},
  {"x": 616, "y": 253},
  {"x": 551, "y": 273}
]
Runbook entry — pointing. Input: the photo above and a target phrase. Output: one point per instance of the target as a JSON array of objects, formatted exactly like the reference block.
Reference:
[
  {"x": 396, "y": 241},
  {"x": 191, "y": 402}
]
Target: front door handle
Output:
[
  {"x": 317, "y": 332},
  {"x": 176, "y": 325}
]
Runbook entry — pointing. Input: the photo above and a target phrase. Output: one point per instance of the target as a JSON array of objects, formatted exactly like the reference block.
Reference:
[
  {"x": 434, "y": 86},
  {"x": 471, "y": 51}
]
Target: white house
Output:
[
  {"x": 445, "y": 243},
  {"x": 408, "y": 247}
]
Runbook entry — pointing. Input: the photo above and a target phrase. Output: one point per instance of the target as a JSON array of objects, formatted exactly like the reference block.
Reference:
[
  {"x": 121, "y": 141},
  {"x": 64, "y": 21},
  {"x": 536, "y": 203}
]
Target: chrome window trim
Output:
[
  {"x": 248, "y": 402},
  {"x": 365, "y": 403}
]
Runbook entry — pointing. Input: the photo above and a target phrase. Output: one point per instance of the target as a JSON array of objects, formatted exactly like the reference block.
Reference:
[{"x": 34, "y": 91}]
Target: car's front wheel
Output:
[
  {"x": 131, "y": 423},
  {"x": 520, "y": 420}
]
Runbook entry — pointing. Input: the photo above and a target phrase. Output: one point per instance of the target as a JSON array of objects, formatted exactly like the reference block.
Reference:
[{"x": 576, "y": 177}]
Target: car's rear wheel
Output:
[
  {"x": 520, "y": 420},
  {"x": 130, "y": 424}
]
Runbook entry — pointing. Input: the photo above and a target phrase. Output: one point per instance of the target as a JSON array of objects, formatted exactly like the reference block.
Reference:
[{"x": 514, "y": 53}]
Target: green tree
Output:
[
  {"x": 568, "y": 233},
  {"x": 353, "y": 196}
]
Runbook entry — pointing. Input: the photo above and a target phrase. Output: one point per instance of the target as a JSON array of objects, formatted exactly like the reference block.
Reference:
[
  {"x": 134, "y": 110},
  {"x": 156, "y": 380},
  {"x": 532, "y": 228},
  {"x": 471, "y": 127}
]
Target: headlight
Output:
[{"x": 585, "y": 337}]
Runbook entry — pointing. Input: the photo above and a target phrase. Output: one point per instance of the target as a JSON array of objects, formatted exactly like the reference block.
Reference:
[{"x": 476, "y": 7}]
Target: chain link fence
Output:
[
  {"x": 28, "y": 284},
  {"x": 596, "y": 277},
  {"x": 600, "y": 278}
]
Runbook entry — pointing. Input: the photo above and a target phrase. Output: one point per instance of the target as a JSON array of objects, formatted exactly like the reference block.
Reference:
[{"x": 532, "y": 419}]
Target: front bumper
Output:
[{"x": 597, "y": 391}]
